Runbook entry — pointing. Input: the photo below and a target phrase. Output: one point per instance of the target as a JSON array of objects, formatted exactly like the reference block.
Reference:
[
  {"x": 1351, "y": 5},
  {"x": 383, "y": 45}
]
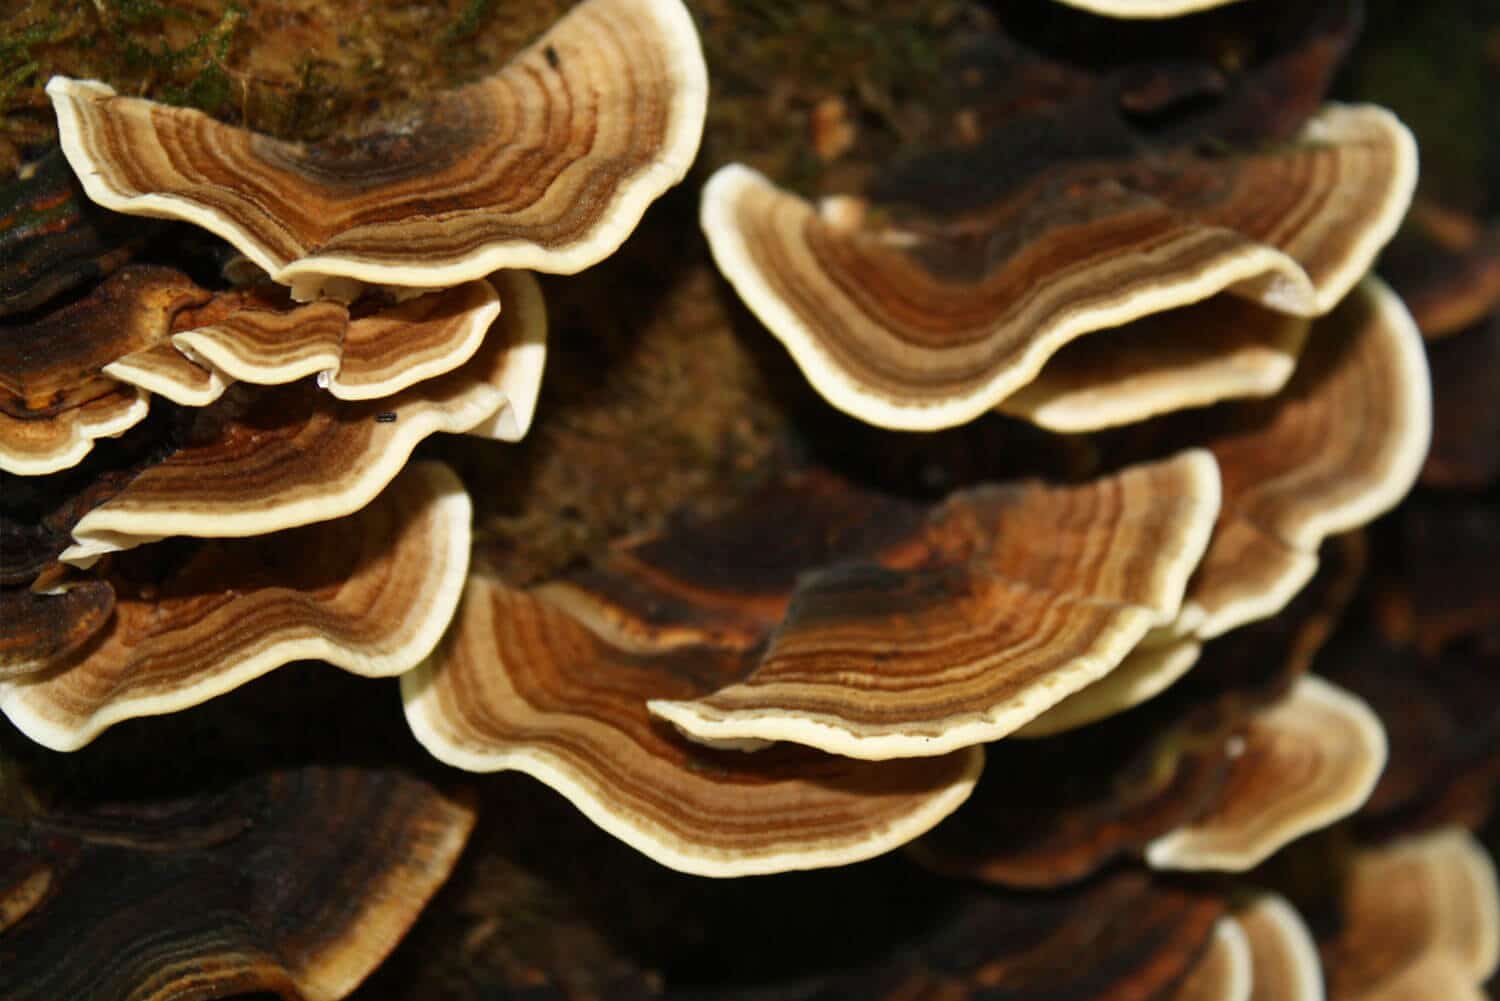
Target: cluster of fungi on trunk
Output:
[{"x": 1127, "y": 654}]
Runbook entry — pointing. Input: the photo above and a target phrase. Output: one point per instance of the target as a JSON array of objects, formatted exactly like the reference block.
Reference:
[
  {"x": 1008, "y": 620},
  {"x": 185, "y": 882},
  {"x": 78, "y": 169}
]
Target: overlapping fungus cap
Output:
[
  {"x": 370, "y": 593},
  {"x": 1055, "y": 810},
  {"x": 548, "y": 164},
  {"x": 382, "y": 348},
  {"x": 53, "y": 238},
  {"x": 947, "y": 290},
  {"x": 518, "y": 684},
  {"x": 784, "y": 599},
  {"x": 295, "y": 882},
  {"x": 1223, "y": 348},
  {"x": 890, "y": 327},
  {"x": 87, "y": 370},
  {"x": 54, "y": 398},
  {"x": 279, "y": 457},
  {"x": 1342, "y": 444},
  {"x": 1015, "y": 596},
  {"x": 1284, "y": 964},
  {"x": 1308, "y": 760},
  {"x": 1420, "y": 919}
]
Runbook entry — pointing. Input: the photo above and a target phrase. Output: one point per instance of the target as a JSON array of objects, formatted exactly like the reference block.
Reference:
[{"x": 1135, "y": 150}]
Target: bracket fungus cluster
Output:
[
  {"x": 1101, "y": 712},
  {"x": 289, "y": 424},
  {"x": 208, "y": 477}
]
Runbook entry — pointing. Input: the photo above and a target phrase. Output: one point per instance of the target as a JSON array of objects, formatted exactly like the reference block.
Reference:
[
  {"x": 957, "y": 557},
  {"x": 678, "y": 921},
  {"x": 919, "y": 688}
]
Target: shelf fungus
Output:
[
  {"x": 377, "y": 351},
  {"x": 546, "y": 165},
  {"x": 1284, "y": 963},
  {"x": 296, "y": 883},
  {"x": 45, "y": 629},
  {"x": 55, "y": 400},
  {"x": 269, "y": 347},
  {"x": 1054, "y": 811},
  {"x": 293, "y": 455},
  {"x": 521, "y": 683},
  {"x": 1221, "y": 349},
  {"x": 1302, "y": 763},
  {"x": 821, "y": 590},
  {"x": 52, "y": 238},
  {"x": 1420, "y": 920},
  {"x": 370, "y": 593},
  {"x": 1009, "y": 599},
  {"x": 1147, "y": 671},
  {"x": 1342, "y": 444},
  {"x": 162, "y": 370},
  {"x": 928, "y": 322}
]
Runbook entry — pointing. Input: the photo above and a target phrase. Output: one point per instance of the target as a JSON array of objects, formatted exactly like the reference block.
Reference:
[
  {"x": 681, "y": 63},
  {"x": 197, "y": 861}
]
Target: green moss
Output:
[
  {"x": 323, "y": 71},
  {"x": 474, "y": 14}
]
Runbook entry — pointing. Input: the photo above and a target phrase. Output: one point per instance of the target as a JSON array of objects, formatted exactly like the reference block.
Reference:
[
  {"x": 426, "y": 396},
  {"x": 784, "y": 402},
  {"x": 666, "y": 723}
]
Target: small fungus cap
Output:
[
  {"x": 1420, "y": 914},
  {"x": 56, "y": 397},
  {"x": 298, "y": 455},
  {"x": 1303, "y": 763},
  {"x": 1283, "y": 956}
]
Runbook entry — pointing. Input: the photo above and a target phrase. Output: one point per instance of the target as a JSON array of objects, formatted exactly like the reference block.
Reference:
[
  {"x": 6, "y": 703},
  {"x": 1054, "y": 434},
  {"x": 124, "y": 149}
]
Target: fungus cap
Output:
[
  {"x": 901, "y": 328},
  {"x": 295, "y": 883},
  {"x": 1418, "y": 914},
  {"x": 1308, "y": 760},
  {"x": 1223, "y": 348},
  {"x": 162, "y": 370},
  {"x": 546, "y": 165},
  {"x": 370, "y": 593},
  {"x": 520, "y": 684},
  {"x": 1283, "y": 956},
  {"x": 1341, "y": 445},
  {"x": 55, "y": 399},
  {"x": 1224, "y": 972},
  {"x": 1091, "y": 568},
  {"x": 51, "y": 444},
  {"x": 299, "y": 455}
]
